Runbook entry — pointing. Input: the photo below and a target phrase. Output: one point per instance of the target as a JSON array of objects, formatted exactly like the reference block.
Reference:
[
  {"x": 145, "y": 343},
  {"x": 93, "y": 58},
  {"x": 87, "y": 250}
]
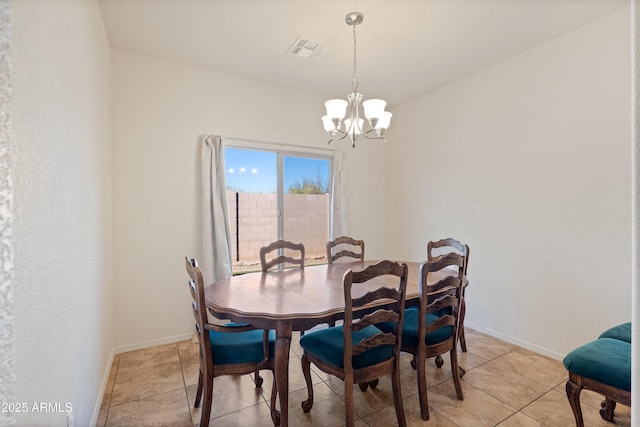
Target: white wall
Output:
[
  {"x": 540, "y": 188},
  {"x": 528, "y": 162},
  {"x": 7, "y": 377},
  {"x": 62, "y": 168},
  {"x": 160, "y": 110}
]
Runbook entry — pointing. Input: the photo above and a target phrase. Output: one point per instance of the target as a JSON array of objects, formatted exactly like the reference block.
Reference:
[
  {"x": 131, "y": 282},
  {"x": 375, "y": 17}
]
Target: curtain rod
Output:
[{"x": 263, "y": 144}]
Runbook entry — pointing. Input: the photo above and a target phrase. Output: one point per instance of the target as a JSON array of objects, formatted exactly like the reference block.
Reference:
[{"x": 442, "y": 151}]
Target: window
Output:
[{"x": 276, "y": 194}]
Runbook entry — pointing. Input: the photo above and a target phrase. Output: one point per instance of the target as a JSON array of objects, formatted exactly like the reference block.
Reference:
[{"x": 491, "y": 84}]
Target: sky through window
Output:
[{"x": 255, "y": 171}]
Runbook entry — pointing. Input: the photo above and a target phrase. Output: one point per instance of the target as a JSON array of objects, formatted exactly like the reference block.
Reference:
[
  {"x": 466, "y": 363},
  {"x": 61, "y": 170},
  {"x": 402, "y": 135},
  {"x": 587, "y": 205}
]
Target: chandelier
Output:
[{"x": 343, "y": 117}]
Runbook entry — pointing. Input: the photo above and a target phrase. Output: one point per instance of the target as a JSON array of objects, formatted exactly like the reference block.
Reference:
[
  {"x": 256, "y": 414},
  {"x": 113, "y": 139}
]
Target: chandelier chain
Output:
[{"x": 354, "y": 79}]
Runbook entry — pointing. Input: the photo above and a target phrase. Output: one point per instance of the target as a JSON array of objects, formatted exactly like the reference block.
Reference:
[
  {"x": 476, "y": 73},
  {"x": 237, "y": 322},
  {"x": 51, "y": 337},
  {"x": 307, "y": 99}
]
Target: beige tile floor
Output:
[{"x": 504, "y": 386}]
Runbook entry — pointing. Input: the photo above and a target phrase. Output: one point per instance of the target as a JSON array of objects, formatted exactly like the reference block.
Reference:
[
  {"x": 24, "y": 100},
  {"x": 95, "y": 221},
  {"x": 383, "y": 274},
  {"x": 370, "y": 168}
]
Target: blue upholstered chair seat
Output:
[
  {"x": 620, "y": 332},
  {"x": 239, "y": 347},
  {"x": 328, "y": 346},
  {"x": 606, "y": 360},
  {"x": 410, "y": 328}
]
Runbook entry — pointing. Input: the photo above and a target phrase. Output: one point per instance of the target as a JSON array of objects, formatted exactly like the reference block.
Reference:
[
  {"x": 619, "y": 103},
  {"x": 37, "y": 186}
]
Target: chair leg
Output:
[
  {"x": 206, "y": 408},
  {"x": 608, "y": 407},
  {"x": 455, "y": 370},
  {"x": 198, "y": 391},
  {"x": 421, "y": 373},
  {"x": 275, "y": 414},
  {"x": 397, "y": 396},
  {"x": 373, "y": 384},
  {"x": 461, "y": 371},
  {"x": 348, "y": 401},
  {"x": 439, "y": 361},
  {"x": 258, "y": 379},
  {"x": 573, "y": 394},
  {"x": 463, "y": 341},
  {"x": 306, "y": 371}
]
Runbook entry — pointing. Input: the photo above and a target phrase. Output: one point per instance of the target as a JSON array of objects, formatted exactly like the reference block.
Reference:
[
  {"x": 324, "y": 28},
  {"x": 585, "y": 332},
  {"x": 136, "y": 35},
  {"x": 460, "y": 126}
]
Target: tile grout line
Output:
[
  {"x": 486, "y": 364},
  {"x": 184, "y": 382}
]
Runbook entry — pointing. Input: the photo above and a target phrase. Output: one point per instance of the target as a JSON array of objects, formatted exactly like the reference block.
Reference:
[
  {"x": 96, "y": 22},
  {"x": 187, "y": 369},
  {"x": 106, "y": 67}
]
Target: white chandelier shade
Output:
[{"x": 343, "y": 117}]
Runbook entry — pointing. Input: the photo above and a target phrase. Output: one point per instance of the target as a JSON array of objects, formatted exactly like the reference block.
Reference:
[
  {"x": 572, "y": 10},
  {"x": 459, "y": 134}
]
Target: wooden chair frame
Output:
[
  {"x": 208, "y": 370},
  {"x": 381, "y": 305},
  {"x": 345, "y": 252},
  {"x": 281, "y": 258},
  {"x": 612, "y": 396},
  {"x": 464, "y": 251},
  {"x": 446, "y": 294}
]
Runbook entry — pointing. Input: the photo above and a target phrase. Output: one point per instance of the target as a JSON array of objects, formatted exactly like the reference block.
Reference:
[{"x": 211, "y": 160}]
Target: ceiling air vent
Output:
[{"x": 306, "y": 48}]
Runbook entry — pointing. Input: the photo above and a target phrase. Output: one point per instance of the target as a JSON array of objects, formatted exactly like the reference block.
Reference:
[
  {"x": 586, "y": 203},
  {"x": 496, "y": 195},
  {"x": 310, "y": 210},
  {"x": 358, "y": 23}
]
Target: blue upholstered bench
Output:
[{"x": 603, "y": 366}]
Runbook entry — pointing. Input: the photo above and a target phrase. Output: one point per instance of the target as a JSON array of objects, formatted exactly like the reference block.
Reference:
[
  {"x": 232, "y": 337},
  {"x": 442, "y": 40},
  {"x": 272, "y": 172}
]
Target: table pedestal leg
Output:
[{"x": 283, "y": 342}]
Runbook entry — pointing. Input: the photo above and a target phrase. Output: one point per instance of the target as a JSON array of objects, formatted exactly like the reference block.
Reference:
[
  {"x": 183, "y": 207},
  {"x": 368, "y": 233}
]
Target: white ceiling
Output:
[{"x": 405, "y": 47}]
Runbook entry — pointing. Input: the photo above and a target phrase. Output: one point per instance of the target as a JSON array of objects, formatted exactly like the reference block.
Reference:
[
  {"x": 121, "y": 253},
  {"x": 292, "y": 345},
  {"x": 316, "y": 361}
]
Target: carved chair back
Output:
[
  {"x": 346, "y": 246},
  {"x": 288, "y": 253}
]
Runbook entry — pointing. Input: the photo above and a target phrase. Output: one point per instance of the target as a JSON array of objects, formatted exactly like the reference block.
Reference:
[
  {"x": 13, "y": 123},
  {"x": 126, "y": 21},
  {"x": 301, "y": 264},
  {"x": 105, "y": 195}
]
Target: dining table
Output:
[{"x": 295, "y": 299}]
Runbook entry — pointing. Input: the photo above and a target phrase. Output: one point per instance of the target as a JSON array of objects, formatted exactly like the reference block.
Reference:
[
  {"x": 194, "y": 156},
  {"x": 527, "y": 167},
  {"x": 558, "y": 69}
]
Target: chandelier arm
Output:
[
  {"x": 366, "y": 135},
  {"x": 333, "y": 138}
]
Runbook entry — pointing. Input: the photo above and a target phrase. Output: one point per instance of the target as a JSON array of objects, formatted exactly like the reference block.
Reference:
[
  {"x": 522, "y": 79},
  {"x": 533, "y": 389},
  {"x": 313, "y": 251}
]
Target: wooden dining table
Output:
[{"x": 294, "y": 300}]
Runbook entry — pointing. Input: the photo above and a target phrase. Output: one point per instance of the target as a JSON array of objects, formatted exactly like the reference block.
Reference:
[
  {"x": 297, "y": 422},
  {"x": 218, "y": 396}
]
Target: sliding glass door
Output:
[{"x": 276, "y": 194}]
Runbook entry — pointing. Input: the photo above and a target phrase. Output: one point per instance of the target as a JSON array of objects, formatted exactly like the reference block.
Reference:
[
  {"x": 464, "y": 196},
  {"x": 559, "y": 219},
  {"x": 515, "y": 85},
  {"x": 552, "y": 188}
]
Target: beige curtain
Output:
[
  {"x": 339, "y": 196},
  {"x": 216, "y": 232}
]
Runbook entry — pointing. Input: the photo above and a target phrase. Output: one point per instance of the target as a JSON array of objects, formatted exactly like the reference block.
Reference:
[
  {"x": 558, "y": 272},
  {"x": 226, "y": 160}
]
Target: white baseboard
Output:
[
  {"x": 520, "y": 343},
  {"x": 153, "y": 343},
  {"x": 103, "y": 386}
]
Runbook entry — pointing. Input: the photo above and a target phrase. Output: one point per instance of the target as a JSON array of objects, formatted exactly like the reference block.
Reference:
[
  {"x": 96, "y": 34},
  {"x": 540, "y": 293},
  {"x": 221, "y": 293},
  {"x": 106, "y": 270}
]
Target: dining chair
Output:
[
  {"x": 432, "y": 329},
  {"x": 357, "y": 351},
  {"x": 231, "y": 349},
  {"x": 345, "y": 247},
  {"x": 287, "y": 256},
  {"x": 345, "y": 251},
  {"x": 448, "y": 245}
]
